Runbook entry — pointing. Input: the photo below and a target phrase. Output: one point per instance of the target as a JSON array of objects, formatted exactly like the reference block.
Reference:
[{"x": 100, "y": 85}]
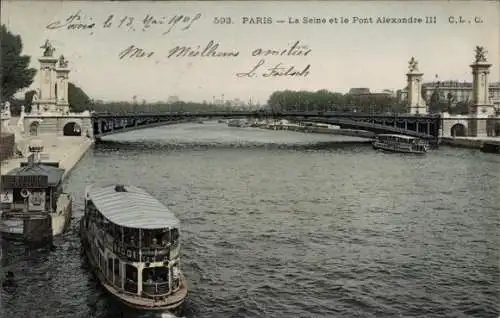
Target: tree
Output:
[
  {"x": 78, "y": 100},
  {"x": 16, "y": 73},
  {"x": 462, "y": 108},
  {"x": 324, "y": 100},
  {"x": 28, "y": 100},
  {"x": 437, "y": 104}
]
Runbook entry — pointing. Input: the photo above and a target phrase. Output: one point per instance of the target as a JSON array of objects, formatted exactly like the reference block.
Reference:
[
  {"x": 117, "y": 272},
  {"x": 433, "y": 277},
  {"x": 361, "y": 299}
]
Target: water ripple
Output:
[{"x": 279, "y": 224}]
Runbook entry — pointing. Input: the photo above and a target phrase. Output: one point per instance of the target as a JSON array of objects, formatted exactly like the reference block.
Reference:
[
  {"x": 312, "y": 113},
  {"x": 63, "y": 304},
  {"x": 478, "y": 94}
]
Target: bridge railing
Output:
[{"x": 262, "y": 113}]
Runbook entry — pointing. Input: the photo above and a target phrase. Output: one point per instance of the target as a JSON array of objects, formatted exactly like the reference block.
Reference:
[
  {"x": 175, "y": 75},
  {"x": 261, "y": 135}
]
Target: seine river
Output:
[{"x": 283, "y": 224}]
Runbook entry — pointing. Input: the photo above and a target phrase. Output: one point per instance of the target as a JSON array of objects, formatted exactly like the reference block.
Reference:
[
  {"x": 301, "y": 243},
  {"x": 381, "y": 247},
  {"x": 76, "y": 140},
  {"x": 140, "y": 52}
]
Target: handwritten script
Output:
[
  {"x": 279, "y": 69},
  {"x": 79, "y": 21},
  {"x": 213, "y": 49},
  {"x": 266, "y": 64}
]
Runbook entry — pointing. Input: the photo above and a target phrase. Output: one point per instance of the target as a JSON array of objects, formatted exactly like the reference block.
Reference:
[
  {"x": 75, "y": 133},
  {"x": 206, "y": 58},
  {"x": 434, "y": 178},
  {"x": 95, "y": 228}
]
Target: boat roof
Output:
[
  {"x": 54, "y": 174},
  {"x": 131, "y": 206},
  {"x": 397, "y": 136}
]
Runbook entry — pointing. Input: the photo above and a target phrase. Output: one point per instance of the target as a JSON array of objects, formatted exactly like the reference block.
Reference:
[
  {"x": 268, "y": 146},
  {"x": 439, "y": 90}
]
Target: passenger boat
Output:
[
  {"x": 235, "y": 123},
  {"x": 132, "y": 243},
  {"x": 33, "y": 205},
  {"x": 400, "y": 143}
]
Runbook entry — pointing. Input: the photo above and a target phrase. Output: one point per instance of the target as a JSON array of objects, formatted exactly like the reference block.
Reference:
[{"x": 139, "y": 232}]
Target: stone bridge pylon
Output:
[
  {"x": 50, "y": 112},
  {"x": 416, "y": 104},
  {"x": 482, "y": 118}
]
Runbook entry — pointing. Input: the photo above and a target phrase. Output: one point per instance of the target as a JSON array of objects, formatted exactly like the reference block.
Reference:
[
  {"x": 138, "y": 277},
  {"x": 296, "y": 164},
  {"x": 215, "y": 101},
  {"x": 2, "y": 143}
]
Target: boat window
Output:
[
  {"x": 90, "y": 207},
  {"x": 131, "y": 236},
  {"x": 99, "y": 220},
  {"x": 146, "y": 238},
  {"x": 110, "y": 266},
  {"x": 130, "y": 272},
  {"x": 176, "y": 275},
  {"x": 174, "y": 235},
  {"x": 130, "y": 278},
  {"x": 153, "y": 275},
  {"x": 117, "y": 267},
  {"x": 156, "y": 237},
  {"x": 114, "y": 231},
  {"x": 16, "y": 194},
  {"x": 106, "y": 225}
]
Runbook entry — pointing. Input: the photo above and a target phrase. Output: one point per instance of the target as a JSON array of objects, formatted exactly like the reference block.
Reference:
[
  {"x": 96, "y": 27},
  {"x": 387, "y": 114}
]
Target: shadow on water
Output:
[
  {"x": 24, "y": 267},
  {"x": 306, "y": 229},
  {"x": 112, "y": 145}
]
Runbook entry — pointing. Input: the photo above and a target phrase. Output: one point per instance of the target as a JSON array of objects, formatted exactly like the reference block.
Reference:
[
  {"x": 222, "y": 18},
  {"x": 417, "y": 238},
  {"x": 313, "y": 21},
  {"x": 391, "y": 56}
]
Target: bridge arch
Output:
[
  {"x": 34, "y": 128},
  {"x": 458, "y": 130},
  {"x": 72, "y": 128}
]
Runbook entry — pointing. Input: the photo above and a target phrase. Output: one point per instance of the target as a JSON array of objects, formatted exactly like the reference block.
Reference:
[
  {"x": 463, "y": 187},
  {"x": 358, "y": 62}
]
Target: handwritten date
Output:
[
  {"x": 75, "y": 21},
  {"x": 81, "y": 21}
]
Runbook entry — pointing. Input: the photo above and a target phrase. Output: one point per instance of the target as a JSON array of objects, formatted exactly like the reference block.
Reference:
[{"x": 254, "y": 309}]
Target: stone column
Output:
[
  {"x": 47, "y": 78},
  {"x": 416, "y": 104},
  {"x": 62, "y": 76},
  {"x": 481, "y": 108}
]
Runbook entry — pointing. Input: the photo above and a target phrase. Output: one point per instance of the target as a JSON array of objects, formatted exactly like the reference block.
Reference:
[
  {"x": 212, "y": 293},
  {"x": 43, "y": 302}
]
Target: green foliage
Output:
[
  {"x": 78, "y": 99},
  {"x": 120, "y": 107},
  {"x": 440, "y": 103},
  {"x": 28, "y": 100},
  {"x": 461, "y": 108},
  {"x": 16, "y": 73},
  {"x": 324, "y": 100},
  {"x": 15, "y": 106}
]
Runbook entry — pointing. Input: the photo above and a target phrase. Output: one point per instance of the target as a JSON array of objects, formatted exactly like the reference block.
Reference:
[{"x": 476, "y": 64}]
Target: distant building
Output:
[
  {"x": 458, "y": 91},
  {"x": 237, "y": 103},
  {"x": 172, "y": 99},
  {"x": 359, "y": 91},
  {"x": 366, "y": 92}
]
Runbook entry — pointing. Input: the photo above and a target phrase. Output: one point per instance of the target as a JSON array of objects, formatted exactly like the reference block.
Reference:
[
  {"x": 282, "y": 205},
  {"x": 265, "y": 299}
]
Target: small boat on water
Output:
[
  {"x": 400, "y": 143},
  {"x": 235, "y": 123},
  {"x": 33, "y": 205},
  {"x": 132, "y": 243}
]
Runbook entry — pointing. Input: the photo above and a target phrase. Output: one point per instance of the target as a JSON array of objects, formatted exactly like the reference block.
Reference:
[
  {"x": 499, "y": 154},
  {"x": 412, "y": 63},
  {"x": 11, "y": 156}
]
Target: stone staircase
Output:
[{"x": 48, "y": 125}]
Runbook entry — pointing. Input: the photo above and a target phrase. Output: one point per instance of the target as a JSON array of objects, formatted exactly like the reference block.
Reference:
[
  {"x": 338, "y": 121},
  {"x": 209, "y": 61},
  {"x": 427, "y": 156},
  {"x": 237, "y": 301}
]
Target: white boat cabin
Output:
[
  {"x": 135, "y": 240},
  {"x": 400, "y": 143},
  {"x": 31, "y": 190}
]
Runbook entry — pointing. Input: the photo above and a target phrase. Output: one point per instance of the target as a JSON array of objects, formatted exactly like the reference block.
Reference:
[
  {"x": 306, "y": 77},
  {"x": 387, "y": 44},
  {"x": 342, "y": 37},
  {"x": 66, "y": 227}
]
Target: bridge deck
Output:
[{"x": 415, "y": 125}]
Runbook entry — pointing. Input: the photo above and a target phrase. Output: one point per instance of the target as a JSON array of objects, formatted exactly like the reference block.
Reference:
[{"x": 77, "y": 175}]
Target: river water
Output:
[{"x": 284, "y": 224}]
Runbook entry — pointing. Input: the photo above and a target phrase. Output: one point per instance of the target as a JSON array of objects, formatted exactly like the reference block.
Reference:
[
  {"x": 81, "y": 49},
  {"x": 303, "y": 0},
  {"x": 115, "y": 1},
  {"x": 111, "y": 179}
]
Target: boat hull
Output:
[
  {"x": 14, "y": 229},
  {"x": 172, "y": 302}
]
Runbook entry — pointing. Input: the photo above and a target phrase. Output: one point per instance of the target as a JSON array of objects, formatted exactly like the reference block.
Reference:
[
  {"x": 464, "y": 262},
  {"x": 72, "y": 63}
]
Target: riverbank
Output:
[
  {"x": 322, "y": 130},
  {"x": 65, "y": 150},
  {"x": 471, "y": 142},
  {"x": 485, "y": 144}
]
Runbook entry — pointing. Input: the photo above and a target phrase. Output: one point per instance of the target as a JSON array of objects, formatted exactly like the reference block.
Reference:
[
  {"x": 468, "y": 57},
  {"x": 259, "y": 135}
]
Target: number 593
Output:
[{"x": 222, "y": 20}]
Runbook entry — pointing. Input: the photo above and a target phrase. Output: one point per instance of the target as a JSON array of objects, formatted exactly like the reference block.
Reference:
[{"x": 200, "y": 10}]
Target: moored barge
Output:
[
  {"x": 33, "y": 204},
  {"x": 132, "y": 243}
]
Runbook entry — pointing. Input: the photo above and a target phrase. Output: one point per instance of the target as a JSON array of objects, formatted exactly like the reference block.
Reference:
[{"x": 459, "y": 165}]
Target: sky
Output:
[{"x": 339, "y": 55}]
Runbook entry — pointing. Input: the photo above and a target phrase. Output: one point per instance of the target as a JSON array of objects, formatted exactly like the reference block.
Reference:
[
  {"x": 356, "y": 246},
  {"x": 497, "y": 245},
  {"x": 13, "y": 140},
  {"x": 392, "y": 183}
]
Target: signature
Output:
[{"x": 278, "y": 70}]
